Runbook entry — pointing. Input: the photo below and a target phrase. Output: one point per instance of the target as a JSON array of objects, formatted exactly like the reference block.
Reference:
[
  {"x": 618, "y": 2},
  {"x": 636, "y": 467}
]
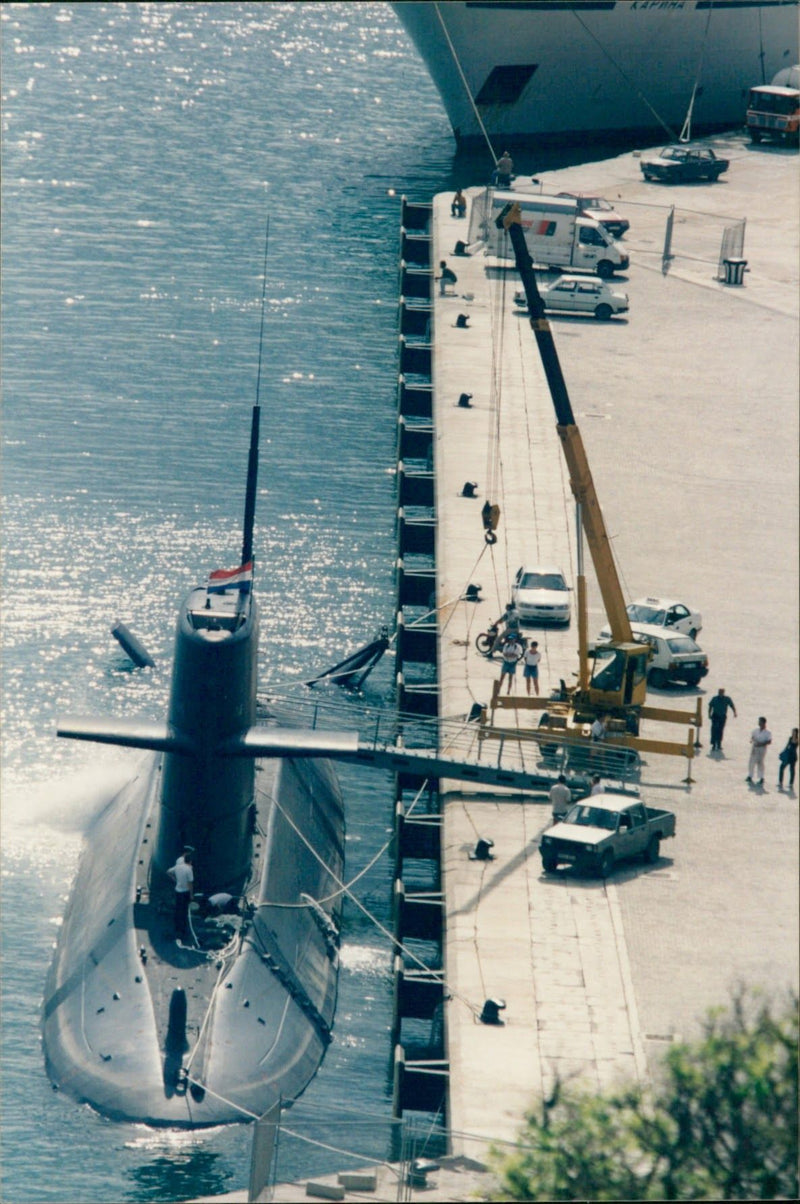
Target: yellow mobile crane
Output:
[{"x": 612, "y": 676}]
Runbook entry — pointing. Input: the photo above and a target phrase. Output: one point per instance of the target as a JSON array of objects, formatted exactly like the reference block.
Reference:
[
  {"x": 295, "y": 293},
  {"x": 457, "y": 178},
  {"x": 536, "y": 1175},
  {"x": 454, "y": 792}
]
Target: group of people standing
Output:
[
  {"x": 760, "y": 740},
  {"x": 515, "y": 650}
]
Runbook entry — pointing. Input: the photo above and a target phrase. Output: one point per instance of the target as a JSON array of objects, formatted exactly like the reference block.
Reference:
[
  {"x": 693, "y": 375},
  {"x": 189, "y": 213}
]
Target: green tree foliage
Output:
[{"x": 721, "y": 1122}]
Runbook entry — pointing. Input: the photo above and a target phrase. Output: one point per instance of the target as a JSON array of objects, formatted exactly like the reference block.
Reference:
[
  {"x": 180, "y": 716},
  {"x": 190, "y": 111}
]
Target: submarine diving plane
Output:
[{"x": 216, "y": 1028}]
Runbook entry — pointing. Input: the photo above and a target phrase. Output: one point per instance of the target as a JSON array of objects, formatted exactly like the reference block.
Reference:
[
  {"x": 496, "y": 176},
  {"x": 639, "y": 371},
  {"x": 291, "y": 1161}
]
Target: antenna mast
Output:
[{"x": 252, "y": 462}]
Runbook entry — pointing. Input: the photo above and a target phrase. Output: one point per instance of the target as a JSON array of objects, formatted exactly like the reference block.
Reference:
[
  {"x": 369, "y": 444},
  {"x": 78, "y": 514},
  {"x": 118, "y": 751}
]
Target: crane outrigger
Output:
[{"x": 612, "y": 675}]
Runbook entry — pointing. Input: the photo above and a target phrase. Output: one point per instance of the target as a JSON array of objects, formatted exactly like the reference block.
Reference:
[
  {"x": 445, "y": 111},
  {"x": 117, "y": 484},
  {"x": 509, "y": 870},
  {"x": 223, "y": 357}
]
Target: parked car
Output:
[
  {"x": 662, "y": 612},
  {"x": 678, "y": 164},
  {"x": 541, "y": 595},
  {"x": 601, "y": 210},
  {"x": 676, "y": 657},
  {"x": 580, "y": 295},
  {"x": 598, "y": 832}
]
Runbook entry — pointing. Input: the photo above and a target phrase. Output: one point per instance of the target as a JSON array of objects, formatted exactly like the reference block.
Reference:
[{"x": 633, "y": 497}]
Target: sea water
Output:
[{"x": 145, "y": 149}]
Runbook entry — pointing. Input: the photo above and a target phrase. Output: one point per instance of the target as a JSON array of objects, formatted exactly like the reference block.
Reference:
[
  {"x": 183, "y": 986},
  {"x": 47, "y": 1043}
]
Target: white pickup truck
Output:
[{"x": 599, "y": 831}]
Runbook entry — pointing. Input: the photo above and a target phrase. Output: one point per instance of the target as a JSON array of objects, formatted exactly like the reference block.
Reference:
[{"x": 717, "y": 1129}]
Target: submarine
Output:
[{"x": 220, "y": 1025}]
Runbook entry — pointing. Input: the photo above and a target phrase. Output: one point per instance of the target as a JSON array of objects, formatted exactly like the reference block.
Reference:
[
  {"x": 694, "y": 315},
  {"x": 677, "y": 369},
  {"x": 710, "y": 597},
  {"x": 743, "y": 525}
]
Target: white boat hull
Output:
[{"x": 555, "y": 71}]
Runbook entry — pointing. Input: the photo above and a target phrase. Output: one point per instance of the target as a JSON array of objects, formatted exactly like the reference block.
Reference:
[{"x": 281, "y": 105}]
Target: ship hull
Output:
[
  {"x": 144, "y": 1029},
  {"x": 555, "y": 72}
]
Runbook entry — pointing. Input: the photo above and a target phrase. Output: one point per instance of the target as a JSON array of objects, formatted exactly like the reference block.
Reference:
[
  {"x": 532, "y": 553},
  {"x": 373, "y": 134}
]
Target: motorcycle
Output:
[
  {"x": 488, "y": 641},
  {"x": 491, "y": 641}
]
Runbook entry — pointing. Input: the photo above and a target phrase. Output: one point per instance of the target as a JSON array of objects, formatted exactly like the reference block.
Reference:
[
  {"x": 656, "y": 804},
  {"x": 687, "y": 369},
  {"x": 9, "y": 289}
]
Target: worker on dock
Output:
[
  {"x": 458, "y": 206},
  {"x": 512, "y": 654},
  {"x": 504, "y": 169},
  {"x": 718, "y": 708},
  {"x": 759, "y": 740},
  {"x": 598, "y": 728},
  {"x": 447, "y": 278},
  {"x": 560, "y": 798},
  {"x": 532, "y": 656}
]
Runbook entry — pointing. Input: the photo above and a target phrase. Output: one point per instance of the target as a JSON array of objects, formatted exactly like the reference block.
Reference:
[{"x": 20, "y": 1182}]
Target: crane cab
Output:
[{"x": 618, "y": 676}]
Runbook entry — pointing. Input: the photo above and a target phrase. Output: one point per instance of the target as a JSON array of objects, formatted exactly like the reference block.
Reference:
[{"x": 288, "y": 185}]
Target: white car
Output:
[
  {"x": 662, "y": 612},
  {"x": 541, "y": 595},
  {"x": 676, "y": 657},
  {"x": 581, "y": 295}
]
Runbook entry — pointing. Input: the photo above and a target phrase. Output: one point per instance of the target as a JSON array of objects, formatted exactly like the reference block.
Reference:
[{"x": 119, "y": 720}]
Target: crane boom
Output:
[{"x": 580, "y": 474}]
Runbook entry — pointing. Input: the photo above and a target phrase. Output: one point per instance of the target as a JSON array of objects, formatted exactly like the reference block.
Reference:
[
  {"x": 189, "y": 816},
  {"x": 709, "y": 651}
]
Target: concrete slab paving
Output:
[{"x": 688, "y": 409}]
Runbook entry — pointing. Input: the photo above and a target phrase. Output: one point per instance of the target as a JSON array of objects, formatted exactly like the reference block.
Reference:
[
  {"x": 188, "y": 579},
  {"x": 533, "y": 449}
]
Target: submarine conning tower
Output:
[{"x": 207, "y": 796}]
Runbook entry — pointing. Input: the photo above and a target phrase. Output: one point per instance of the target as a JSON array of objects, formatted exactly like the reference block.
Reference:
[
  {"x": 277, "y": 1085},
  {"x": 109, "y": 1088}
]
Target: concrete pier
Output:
[{"x": 688, "y": 409}]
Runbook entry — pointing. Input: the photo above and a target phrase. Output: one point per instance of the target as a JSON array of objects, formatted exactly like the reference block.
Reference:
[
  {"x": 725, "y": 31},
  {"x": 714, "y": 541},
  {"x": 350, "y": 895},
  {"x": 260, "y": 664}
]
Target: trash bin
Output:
[{"x": 734, "y": 270}]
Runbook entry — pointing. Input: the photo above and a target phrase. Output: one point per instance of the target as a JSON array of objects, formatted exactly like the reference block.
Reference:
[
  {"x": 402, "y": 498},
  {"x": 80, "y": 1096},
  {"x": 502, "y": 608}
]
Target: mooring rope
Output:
[
  {"x": 470, "y": 97},
  {"x": 686, "y": 130},
  {"x": 374, "y": 920},
  {"x": 628, "y": 80}
]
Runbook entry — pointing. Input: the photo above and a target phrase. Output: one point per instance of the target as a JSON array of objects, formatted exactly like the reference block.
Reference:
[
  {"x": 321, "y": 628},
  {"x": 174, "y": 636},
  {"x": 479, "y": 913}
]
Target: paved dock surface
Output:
[{"x": 688, "y": 408}]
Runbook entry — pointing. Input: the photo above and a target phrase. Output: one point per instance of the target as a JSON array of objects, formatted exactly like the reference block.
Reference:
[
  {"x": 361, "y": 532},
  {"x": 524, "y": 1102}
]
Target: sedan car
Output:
[
  {"x": 662, "y": 612},
  {"x": 676, "y": 657},
  {"x": 678, "y": 164},
  {"x": 541, "y": 595},
  {"x": 601, "y": 210},
  {"x": 580, "y": 295}
]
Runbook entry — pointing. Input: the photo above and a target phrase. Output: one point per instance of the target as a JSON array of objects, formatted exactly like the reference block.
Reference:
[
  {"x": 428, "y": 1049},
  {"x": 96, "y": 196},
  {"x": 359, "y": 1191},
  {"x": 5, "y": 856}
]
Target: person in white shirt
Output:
[
  {"x": 512, "y": 654},
  {"x": 531, "y": 672},
  {"x": 187, "y": 848},
  {"x": 597, "y": 785},
  {"x": 760, "y": 738},
  {"x": 182, "y": 874},
  {"x": 598, "y": 731},
  {"x": 560, "y": 798}
]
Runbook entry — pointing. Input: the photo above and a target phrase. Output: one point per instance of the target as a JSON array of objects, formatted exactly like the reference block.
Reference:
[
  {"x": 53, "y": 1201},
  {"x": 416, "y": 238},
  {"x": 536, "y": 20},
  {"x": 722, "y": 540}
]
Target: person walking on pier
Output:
[
  {"x": 532, "y": 656},
  {"x": 560, "y": 798},
  {"x": 718, "y": 707},
  {"x": 512, "y": 654},
  {"x": 788, "y": 759},
  {"x": 759, "y": 740}
]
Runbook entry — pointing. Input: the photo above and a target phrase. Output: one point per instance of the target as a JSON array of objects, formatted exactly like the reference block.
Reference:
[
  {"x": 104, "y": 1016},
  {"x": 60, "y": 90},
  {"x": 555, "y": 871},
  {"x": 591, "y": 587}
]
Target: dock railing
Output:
[{"x": 453, "y": 746}]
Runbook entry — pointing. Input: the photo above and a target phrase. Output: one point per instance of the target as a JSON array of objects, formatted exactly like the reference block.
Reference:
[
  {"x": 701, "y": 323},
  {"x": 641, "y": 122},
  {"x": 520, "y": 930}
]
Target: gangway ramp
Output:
[{"x": 455, "y": 749}]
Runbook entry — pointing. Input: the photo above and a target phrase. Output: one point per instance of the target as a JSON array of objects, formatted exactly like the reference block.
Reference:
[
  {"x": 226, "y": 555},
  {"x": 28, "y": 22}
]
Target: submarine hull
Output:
[{"x": 145, "y": 1029}]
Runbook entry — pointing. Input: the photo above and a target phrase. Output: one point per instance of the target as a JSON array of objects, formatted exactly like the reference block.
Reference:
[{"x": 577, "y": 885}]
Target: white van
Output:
[{"x": 557, "y": 234}]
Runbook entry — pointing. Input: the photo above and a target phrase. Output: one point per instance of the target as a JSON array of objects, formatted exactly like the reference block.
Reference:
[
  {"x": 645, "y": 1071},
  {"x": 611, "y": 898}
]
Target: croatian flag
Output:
[{"x": 222, "y": 579}]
